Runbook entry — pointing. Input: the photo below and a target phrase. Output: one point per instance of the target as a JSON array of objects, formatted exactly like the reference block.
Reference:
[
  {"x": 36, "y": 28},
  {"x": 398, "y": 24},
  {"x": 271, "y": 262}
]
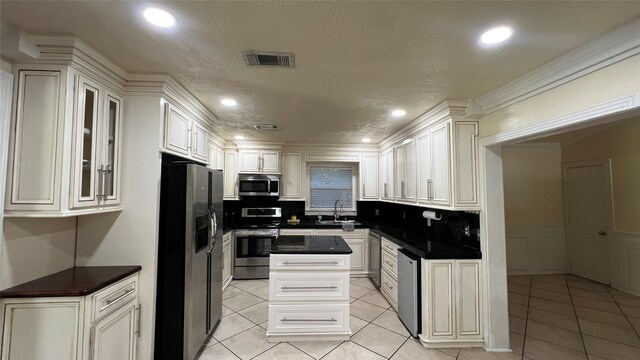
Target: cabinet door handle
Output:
[
  {"x": 99, "y": 191},
  {"x": 307, "y": 287},
  {"x": 138, "y": 311},
  {"x": 363, "y": 191},
  {"x": 384, "y": 187},
  {"x": 305, "y": 320},
  {"x": 189, "y": 139}
]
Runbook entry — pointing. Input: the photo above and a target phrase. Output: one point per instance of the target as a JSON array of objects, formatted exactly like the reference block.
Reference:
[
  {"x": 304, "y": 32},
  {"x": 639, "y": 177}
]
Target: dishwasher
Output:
[{"x": 409, "y": 304}]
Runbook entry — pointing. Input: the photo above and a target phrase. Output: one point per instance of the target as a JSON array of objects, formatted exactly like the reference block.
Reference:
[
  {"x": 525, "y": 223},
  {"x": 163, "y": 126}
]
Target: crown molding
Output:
[
  {"x": 603, "y": 51},
  {"x": 601, "y": 114},
  {"x": 445, "y": 109}
]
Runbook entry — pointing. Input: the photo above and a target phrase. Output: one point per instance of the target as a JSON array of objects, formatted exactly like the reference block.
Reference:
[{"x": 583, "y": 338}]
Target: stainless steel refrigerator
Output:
[{"x": 189, "y": 277}]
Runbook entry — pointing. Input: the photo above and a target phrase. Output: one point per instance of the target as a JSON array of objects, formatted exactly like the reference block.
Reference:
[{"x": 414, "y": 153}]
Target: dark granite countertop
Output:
[
  {"x": 310, "y": 244},
  {"x": 77, "y": 281},
  {"x": 425, "y": 245}
]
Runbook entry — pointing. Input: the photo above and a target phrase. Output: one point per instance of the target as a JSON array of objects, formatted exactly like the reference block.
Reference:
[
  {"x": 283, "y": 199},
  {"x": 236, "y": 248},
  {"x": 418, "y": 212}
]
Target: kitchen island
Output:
[{"x": 309, "y": 289}]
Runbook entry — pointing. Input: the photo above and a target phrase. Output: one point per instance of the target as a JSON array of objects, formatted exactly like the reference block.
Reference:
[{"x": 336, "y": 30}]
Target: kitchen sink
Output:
[{"x": 333, "y": 222}]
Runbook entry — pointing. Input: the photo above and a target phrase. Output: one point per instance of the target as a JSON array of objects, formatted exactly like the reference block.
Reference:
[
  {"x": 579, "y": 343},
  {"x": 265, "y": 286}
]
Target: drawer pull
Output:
[
  {"x": 108, "y": 302},
  {"x": 388, "y": 263},
  {"x": 307, "y": 287},
  {"x": 310, "y": 263},
  {"x": 389, "y": 286},
  {"x": 331, "y": 320},
  {"x": 392, "y": 250}
]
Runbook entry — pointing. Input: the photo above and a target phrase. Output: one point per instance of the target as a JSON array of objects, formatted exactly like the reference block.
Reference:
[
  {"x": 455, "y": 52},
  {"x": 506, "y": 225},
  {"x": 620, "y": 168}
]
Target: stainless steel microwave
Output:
[{"x": 258, "y": 185}]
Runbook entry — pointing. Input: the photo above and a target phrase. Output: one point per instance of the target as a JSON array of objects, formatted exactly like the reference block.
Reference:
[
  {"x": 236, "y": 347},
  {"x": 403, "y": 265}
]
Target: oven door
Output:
[{"x": 254, "y": 246}]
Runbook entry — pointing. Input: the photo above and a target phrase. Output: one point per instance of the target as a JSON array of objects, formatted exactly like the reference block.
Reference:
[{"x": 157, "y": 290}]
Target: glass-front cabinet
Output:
[{"x": 97, "y": 155}]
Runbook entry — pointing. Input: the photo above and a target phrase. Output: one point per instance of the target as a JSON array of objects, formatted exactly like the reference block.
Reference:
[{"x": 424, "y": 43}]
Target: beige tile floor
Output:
[{"x": 551, "y": 317}]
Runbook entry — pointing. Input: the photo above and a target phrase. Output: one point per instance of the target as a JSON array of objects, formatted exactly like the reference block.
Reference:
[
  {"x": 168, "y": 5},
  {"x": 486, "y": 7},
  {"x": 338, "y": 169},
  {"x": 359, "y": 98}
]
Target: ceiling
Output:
[{"x": 356, "y": 61}]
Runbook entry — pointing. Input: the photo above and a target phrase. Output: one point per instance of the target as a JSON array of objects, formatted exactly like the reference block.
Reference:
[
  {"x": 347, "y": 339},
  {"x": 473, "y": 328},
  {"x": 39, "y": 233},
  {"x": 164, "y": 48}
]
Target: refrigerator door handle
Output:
[{"x": 214, "y": 229}]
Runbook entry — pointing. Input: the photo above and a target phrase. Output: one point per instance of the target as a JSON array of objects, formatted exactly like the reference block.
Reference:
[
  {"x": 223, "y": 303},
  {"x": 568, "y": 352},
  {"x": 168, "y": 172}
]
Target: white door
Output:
[
  {"x": 200, "y": 144},
  {"x": 423, "y": 160},
  {"x": 440, "y": 185},
  {"x": 369, "y": 174},
  {"x": 114, "y": 337},
  {"x": 249, "y": 161},
  {"x": 587, "y": 208},
  {"x": 177, "y": 131},
  {"x": 269, "y": 161}
]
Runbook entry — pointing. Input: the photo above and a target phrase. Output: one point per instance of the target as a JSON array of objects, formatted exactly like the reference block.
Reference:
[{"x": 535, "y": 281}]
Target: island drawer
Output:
[
  {"x": 114, "y": 297},
  {"x": 308, "y": 262},
  {"x": 295, "y": 286},
  {"x": 353, "y": 234},
  {"x": 312, "y": 318},
  {"x": 390, "y": 263}
]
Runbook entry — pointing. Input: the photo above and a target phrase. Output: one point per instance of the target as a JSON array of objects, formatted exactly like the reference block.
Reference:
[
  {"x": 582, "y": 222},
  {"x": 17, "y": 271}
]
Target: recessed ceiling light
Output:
[
  {"x": 228, "y": 102},
  {"x": 159, "y": 17},
  {"x": 366, "y": 140},
  {"x": 398, "y": 113},
  {"x": 239, "y": 137},
  {"x": 496, "y": 35}
]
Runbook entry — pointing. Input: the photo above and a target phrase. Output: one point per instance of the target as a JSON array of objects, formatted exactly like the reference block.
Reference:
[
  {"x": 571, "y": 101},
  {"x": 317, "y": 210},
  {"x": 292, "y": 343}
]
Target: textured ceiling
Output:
[{"x": 356, "y": 61}]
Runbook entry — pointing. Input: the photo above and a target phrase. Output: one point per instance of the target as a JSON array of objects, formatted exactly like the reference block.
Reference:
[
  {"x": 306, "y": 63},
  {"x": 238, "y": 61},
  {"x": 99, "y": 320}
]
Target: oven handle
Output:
[{"x": 256, "y": 233}]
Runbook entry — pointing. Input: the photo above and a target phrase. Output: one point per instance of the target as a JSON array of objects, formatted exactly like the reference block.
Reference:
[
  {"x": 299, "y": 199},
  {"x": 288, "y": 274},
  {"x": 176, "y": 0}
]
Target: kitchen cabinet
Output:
[
  {"x": 292, "y": 178},
  {"x": 369, "y": 177},
  {"x": 386, "y": 175},
  {"x": 227, "y": 259},
  {"x": 101, "y": 325},
  {"x": 308, "y": 297},
  {"x": 230, "y": 175},
  {"x": 259, "y": 161},
  {"x": 389, "y": 271},
  {"x": 216, "y": 157},
  {"x": 58, "y": 106},
  {"x": 446, "y": 162},
  {"x": 356, "y": 239},
  {"x": 405, "y": 172},
  {"x": 183, "y": 135},
  {"x": 452, "y": 309}
]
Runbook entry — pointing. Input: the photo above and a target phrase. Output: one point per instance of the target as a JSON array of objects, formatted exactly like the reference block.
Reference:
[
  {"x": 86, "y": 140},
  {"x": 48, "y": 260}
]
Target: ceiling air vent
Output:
[
  {"x": 267, "y": 58},
  {"x": 266, "y": 127}
]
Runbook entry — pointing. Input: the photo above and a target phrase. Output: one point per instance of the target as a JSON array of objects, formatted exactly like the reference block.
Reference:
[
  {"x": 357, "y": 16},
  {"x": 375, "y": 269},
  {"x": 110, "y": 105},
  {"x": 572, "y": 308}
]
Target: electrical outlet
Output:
[
  {"x": 467, "y": 231},
  {"x": 377, "y": 212},
  {"x": 404, "y": 215}
]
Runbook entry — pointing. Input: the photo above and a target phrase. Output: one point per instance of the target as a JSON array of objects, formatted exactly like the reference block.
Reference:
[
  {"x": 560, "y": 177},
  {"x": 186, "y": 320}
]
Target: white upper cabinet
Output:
[
  {"x": 56, "y": 106},
  {"x": 291, "y": 176},
  {"x": 185, "y": 136},
  {"x": 405, "y": 172},
  {"x": 369, "y": 177},
  {"x": 230, "y": 175},
  {"x": 259, "y": 161},
  {"x": 216, "y": 157},
  {"x": 386, "y": 175},
  {"x": 434, "y": 165},
  {"x": 447, "y": 175}
]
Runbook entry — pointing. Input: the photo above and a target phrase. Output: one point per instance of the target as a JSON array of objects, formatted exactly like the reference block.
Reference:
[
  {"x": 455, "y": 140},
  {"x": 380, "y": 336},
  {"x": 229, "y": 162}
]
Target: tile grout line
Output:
[
  {"x": 623, "y": 313},
  {"x": 526, "y": 320},
  {"x": 400, "y": 347},
  {"x": 577, "y": 319}
]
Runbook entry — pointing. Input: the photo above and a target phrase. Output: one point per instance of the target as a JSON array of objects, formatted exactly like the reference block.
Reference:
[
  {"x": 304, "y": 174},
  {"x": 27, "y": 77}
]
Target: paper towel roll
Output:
[{"x": 431, "y": 215}]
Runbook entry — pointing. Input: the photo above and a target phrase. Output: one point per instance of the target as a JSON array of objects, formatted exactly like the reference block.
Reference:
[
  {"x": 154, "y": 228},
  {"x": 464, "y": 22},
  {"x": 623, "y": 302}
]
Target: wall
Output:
[
  {"x": 533, "y": 209},
  {"x": 613, "y": 82},
  {"x": 620, "y": 144},
  {"x": 32, "y": 248},
  {"x": 130, "y": 237}
]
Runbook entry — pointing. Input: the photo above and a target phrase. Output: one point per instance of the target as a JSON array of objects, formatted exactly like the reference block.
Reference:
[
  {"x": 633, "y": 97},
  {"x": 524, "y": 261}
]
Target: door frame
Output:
[
  {"x": 492, "y": 224},
  {"x": 609, "y": 215}
]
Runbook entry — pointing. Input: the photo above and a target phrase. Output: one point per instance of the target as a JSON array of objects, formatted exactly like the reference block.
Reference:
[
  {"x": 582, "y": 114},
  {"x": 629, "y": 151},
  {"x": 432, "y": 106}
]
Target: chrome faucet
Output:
[{"x": 335, "y": 210}]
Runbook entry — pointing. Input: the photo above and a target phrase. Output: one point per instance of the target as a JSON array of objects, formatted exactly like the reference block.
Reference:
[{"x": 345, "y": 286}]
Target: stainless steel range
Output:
[{"x": 254, "y": 236}]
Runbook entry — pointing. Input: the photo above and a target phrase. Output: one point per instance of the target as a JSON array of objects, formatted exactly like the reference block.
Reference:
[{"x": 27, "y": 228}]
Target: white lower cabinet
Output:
[
  {"x": 451, "y": 306},
  {"x": 356, "y": 239},
  {"x": 389, "y": 271},
  {"x": 308, "y": 297},
  {"x": 227, "y": 259},
  {"x": 102, "y": 325}
]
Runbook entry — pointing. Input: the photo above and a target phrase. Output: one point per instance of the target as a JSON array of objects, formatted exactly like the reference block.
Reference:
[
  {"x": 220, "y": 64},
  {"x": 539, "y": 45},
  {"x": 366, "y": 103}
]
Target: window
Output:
[{"x": 328, "y": 184}]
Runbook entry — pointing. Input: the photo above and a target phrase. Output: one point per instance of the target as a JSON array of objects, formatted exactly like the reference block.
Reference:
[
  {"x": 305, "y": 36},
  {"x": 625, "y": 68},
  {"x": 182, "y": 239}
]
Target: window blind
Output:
[{"x": 330, "y": 184}]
